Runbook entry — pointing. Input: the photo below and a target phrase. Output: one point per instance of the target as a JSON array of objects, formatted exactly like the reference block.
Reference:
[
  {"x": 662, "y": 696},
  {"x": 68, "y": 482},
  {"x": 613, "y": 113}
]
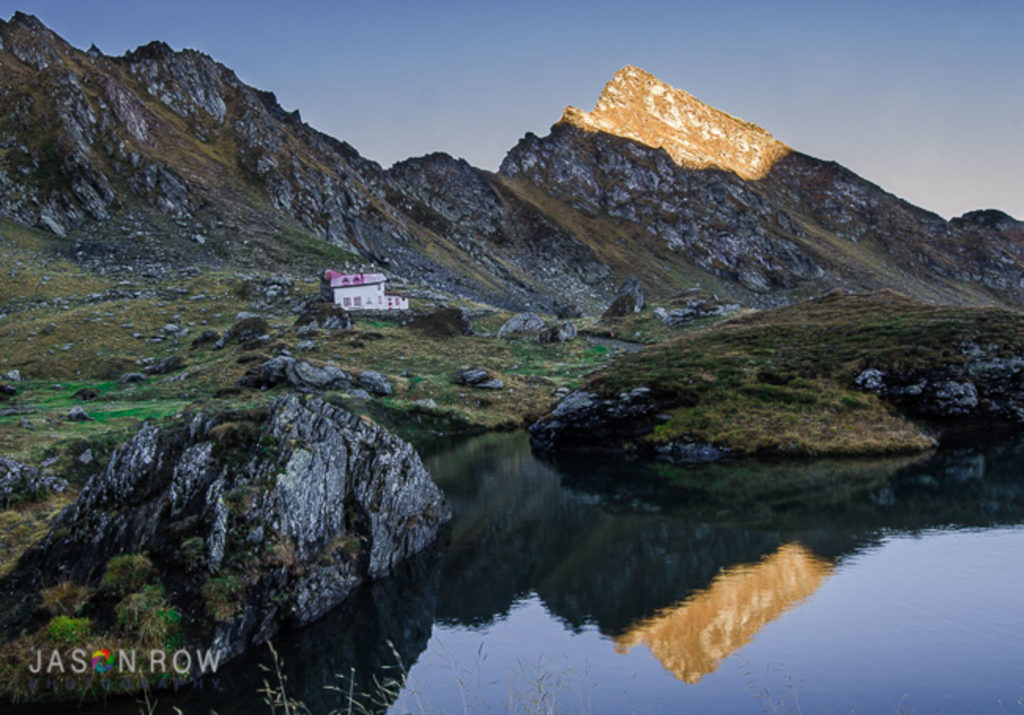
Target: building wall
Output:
[{"x": 359, "y": 297}]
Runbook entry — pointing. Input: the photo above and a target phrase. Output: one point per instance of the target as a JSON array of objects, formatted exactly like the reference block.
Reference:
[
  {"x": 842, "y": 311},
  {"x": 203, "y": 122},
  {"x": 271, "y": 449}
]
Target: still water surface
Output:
[{"x": 599, "y": 586}]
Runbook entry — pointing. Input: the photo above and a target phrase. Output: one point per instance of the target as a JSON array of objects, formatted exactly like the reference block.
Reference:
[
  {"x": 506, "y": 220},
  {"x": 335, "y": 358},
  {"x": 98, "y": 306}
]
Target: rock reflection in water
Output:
[{"x": 692, "y": 638}]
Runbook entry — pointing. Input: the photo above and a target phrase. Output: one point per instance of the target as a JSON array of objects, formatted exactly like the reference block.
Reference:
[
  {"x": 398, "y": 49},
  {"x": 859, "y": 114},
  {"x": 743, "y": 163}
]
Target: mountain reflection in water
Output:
[
  {"x": 692, "y": 638},
  {"x": 587, "y": 559}
]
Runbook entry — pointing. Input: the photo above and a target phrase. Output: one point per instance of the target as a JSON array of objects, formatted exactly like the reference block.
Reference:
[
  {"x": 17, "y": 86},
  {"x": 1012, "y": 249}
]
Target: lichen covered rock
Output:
[
  {"x": 257, "y": 518},
  {"x": 20, "y": 483}
]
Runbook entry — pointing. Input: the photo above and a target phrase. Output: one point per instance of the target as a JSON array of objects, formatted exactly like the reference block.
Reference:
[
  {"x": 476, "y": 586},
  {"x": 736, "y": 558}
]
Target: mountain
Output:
[
  {"x": 690, "y": 187},
  {"x": 160, "y": 159}
]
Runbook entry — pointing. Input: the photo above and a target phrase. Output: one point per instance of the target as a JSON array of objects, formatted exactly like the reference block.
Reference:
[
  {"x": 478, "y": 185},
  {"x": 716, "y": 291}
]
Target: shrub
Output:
[
  {"x": 65, "y": 599},
  {"x": 194, "y": 551},
  {"x": 147, "y": 616},
  {"x": 69, "y": 631},
  {"x": 223, "y": 596},
  {"x": 129, "y": 573}
]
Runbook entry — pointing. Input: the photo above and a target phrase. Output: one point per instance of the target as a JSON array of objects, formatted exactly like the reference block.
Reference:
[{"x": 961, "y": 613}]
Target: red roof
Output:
[{"x": 352, "y": 279}]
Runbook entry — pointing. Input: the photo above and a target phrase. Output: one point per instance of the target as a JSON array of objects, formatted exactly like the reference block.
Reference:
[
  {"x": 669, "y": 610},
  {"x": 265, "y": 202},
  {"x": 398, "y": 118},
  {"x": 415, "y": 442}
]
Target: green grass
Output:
[
  {"x": 68, "y": 631},
  {"x": 781, "y": 381}
]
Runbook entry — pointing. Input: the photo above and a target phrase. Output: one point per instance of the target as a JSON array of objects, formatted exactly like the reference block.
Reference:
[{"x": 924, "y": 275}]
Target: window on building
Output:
[
  {"x": 348, "y": 302},
  {"x": 358, "y": 300}
]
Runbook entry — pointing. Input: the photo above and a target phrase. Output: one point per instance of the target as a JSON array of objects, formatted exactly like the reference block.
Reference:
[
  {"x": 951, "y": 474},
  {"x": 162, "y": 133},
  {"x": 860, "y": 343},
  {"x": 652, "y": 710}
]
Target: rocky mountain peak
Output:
[
  {"x": 155, "y": 50},
  {"x": 32, "y": 42},
  {"x": 637, "y": 105},
  {"x": 29, "y": 22}
]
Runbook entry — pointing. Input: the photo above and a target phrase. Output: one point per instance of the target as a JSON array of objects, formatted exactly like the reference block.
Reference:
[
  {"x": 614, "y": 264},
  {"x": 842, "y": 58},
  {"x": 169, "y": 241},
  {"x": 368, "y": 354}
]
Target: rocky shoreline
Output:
[
  {"x": 969, "y": 374},
  {"x": 239, "y": 523}
]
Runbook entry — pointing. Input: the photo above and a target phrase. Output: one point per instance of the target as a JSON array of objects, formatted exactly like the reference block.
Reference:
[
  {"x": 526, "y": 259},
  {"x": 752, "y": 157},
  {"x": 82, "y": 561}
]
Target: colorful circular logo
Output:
[{"x": 102, "y": 660}]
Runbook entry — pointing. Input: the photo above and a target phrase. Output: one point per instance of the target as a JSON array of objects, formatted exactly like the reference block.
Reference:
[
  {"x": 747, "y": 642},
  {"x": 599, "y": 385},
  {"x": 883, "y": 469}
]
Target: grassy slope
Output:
[
  {"x": 781, "y": 381},
  {"x": 64, "y": 335}
]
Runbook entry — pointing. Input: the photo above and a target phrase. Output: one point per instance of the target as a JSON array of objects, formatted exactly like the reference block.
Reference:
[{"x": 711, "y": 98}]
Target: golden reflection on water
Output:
[{"x": 693, "y": 637}]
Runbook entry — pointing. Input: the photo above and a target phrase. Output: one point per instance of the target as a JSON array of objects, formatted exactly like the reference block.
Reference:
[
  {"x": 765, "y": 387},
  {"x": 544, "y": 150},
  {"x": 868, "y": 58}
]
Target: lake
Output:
[{"x": 598, "y": 585}]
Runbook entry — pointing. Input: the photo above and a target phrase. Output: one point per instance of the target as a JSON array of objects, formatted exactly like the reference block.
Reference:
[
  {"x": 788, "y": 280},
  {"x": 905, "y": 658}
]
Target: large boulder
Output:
[
  {"x": 561, "y": 332},
  {"x": 21, "y": 483},
  {"x": 302, "y": 374},
  {"x": 246, "y": 330},
  {"x": 586, "y": 421},
  {"x": 985, "y": 387},
  {"x": 521, "y": 323},
  {"x": 257, "y": 519},
  {"x": 621, "y": 305},
  {"x": 634, "y": 289}
]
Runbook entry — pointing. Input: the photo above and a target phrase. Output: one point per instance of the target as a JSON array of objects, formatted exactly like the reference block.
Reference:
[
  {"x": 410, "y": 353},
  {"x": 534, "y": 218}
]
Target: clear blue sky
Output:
[{"x": 924, "y": 98}]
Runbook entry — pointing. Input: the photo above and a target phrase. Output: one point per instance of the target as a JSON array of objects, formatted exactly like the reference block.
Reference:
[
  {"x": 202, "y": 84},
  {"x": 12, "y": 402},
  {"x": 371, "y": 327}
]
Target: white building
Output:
[{"x": 362, "y": 291}]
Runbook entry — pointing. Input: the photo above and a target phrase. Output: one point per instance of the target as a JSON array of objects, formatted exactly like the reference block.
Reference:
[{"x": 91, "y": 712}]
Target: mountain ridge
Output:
[{"x": 163, "y": 157}]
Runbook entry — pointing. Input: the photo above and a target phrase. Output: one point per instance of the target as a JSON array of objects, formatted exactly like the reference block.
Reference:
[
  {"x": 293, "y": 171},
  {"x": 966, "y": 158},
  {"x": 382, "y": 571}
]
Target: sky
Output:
[{"x": 925, "y": 99}]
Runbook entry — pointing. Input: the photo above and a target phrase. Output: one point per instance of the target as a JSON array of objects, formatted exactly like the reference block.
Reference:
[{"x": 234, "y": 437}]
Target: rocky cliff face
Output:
[
  {"x": 637, "y": 105},
  {"x": 293, "y": 508},
  {"x": 700, "y": 193},
  {"x": 679, "y": 219},
  {"x": 165, "y": 158}
]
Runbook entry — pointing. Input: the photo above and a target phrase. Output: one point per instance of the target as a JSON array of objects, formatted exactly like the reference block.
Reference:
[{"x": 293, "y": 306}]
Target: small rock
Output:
[
  {"x": 131, "y": 377},
  {"x": 690, "y": 452},
  {"x": 166, "y": 365},
  {"x": 426, "y": 402},
  {"x": 871, "y": 380},
  {"x": 471, "y": 376},
  {"x": 77, "y": 414},
  {"x": 206, "y": 338},
  {"x": 13, "y": 375},
  {"x": 26, "y": 423},
  {"x": 479, "y": 378},
  {"x": 306, "y": 346},
  {"x": 325, "y": 316},
  {"x": 85, "y": 457},
  {"x": 359, "y": 394},
  {"x": 375, "y": 383},
  {"x": 86, "y": 394}
]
